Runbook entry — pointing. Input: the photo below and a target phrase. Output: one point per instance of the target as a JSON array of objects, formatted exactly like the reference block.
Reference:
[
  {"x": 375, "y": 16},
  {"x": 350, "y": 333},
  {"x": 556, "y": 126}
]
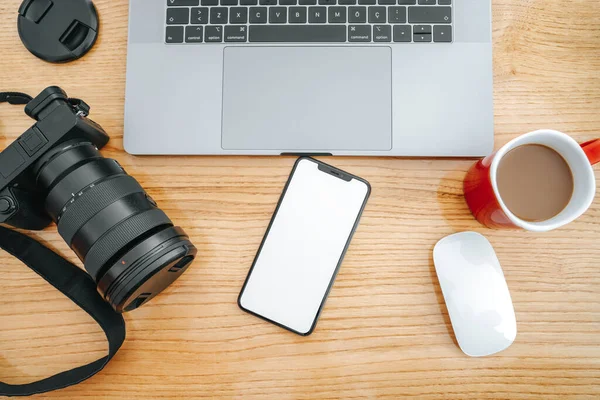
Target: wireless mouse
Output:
[{"x": 476, "y": 294}]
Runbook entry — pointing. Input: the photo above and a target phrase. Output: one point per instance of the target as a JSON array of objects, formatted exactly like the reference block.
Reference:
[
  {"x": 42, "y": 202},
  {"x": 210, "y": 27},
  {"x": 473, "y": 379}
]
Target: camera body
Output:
[
  {"x": 54, "y": 172},
  {"x": 59, "y": 120}
]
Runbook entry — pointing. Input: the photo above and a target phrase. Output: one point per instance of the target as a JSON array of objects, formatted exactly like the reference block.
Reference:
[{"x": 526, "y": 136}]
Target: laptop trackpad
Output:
[{"x": 307, "y": 98}]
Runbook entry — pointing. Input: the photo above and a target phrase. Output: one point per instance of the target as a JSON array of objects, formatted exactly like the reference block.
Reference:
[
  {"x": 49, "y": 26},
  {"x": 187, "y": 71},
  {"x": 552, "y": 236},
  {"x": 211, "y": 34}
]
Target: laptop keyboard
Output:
[{"x": 308, "y": 21}]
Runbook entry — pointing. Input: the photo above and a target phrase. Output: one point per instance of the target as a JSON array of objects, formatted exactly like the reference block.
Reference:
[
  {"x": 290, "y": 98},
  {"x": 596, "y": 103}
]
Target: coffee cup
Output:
[{"x": 484, "y": 195}]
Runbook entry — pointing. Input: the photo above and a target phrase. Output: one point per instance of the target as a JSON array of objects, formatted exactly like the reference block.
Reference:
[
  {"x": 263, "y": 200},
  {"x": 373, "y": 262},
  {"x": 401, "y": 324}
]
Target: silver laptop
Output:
[{"x": 340, "y": 77}]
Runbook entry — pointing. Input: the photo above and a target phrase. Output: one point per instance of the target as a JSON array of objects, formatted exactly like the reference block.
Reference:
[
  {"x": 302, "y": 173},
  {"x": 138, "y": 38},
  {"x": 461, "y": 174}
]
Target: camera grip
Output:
[{"x": 24, "y": 211}]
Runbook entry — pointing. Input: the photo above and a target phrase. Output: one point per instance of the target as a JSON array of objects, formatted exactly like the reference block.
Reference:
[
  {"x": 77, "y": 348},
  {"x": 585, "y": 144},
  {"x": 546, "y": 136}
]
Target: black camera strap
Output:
[
  {"x": 15, "y": 98},
  {"x": 77, "y": 286}
]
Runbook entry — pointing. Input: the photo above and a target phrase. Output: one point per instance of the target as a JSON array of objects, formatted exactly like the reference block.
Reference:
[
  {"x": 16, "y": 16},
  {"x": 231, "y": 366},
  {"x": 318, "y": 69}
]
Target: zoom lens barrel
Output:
[{"x": 127, "y": 244}]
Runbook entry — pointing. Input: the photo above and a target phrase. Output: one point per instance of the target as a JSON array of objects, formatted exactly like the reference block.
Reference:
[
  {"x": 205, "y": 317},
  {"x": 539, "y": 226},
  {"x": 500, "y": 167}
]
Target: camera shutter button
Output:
[{"x": 6, "y": 205}]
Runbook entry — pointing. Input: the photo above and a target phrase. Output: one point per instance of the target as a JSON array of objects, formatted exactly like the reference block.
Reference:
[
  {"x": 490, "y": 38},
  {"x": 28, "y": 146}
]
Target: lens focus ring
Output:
[
  {"x": 123, "y": 234},
  {"x": 94, "y": 201},
  {"x": 68, "y": 159},
  {"x": 67, "y": 189}
]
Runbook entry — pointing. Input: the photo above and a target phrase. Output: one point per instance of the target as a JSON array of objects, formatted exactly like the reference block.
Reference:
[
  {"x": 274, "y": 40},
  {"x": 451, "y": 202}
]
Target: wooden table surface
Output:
[{"x": 385, "y": 330}]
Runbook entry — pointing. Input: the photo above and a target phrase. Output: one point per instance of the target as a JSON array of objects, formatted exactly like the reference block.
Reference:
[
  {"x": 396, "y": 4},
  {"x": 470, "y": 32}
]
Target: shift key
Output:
[{"x": 429, "y": 15}]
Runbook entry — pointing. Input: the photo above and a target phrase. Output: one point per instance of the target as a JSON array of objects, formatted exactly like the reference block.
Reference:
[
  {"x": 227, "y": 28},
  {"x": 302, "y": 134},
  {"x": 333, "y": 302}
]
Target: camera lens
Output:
[{"x": 127, "y": 244}]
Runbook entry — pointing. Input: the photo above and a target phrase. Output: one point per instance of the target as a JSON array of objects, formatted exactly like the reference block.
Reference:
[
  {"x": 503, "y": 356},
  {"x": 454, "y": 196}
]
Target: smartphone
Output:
[{"x": 305, "y": 243}]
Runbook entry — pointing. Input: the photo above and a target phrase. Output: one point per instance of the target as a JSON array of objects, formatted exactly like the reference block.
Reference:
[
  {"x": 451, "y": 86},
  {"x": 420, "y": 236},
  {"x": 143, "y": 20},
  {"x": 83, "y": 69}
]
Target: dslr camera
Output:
[{"x": 54, "y": 173}]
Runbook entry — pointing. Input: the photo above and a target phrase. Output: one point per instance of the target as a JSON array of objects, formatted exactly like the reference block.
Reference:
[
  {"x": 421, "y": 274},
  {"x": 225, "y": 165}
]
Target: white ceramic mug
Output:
[{"x": 485, "y": 201}]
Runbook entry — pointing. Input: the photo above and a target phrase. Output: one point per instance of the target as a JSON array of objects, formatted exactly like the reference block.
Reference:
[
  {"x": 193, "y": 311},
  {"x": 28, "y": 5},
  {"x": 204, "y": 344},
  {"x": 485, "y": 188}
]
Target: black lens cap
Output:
[{"x": 58, "y": 31}]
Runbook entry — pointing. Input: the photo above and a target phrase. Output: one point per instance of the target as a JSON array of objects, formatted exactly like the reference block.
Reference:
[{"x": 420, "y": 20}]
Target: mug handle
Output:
[{"x": 592, "y": 150}]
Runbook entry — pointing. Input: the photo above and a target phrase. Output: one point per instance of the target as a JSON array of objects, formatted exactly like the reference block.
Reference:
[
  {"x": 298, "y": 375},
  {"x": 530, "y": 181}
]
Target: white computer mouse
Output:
[{"x": 476, "y": 294}]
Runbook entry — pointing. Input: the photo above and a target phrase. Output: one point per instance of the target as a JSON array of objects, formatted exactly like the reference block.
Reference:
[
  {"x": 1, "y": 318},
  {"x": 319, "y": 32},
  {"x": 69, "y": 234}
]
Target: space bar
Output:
[{"x": 297, "y": 33}]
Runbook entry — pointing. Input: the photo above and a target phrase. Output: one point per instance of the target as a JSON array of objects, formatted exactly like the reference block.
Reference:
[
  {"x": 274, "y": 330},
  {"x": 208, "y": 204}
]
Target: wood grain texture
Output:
[{"x": 385, "y": 330}]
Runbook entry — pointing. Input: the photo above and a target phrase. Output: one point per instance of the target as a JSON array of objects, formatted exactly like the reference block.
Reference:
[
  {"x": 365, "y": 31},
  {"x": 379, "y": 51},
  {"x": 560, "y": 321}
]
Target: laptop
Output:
[{"x": 338, "y": 77}]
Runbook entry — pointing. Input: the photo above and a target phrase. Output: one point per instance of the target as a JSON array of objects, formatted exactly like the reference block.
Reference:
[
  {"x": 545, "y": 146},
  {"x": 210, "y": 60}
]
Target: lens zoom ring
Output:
[
  {"x": 93, "y": 201},
  {"x": 124, "y": 233}
]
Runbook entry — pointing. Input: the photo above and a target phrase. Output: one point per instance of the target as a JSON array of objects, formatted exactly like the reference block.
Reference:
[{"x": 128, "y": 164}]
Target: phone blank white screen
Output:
[{"x": 303, "y": 247}]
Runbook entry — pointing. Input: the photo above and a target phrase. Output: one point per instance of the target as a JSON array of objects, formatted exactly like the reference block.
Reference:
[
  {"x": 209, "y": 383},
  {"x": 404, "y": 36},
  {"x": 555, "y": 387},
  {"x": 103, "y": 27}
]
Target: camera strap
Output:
[
  {"x": 78, "y": 286},
  {"x": 15, "y": 98}
]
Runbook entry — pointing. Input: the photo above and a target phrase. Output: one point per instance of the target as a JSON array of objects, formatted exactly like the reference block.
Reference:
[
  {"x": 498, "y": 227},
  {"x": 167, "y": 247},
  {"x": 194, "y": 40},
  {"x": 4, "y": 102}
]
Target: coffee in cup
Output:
[{"x": 535, "y": 182}]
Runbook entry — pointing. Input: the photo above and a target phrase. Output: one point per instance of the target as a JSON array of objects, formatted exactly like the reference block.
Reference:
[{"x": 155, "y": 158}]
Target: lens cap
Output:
[{"x": 58, "y": 31}]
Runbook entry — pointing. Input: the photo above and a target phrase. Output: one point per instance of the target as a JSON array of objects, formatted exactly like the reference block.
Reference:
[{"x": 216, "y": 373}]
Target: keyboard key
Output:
[
  {"x": 337, "y": 15},
  {"x": 369, "y": 2},
  {"x": 213, "y": 34},
  {"x": 267, "y": 2},
  {"x": 175, "y": 34},
  {"x": 318, "y": 15},
  {"x": 429, "y": 15},
  {"x": 184, "y": 3},
  {"x": 422, "y": 29},
  {"x": 397, "y": 15},
  {"x": 442, "y": 33},
  {"x": 327, "y": 2},
  {"x": 307, "y": 2},
  {"x": 238, "y": 15},
  {"x": 287, "y": 2},
  {"x": 297, "y": 15},
  {"x": 402, "y": 33},
  {"x": 357, "y": 14},
  {"x": 258, "y": 15},
  {"x": 210, "y": 2},
  {"x": 229, "y": 2},
  {"x": 427, "y": 2},
  {"x": 387, "y": 2},
  {"x": 382, "y": 33},
  {"x": 235, "y": 33},
  {"x": 346, "y": 2},
  {"x": 407, "y": 2},
  {"x": 199, "y": 15},
  {"x": 298, "y": 33},
  {"x": 248, "y": 2},
  {"x": 376, "y": 15},
  {"x": 359, "y": 33},
  {"x": 445, "y": 2},
  {"x": 193, "y": 34},
  {"x": 218, "y": 15},
  {"x": 422, "y": 37},
  {"x": 176, "y": 16},
  {"x": 277, "y": 15}
]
